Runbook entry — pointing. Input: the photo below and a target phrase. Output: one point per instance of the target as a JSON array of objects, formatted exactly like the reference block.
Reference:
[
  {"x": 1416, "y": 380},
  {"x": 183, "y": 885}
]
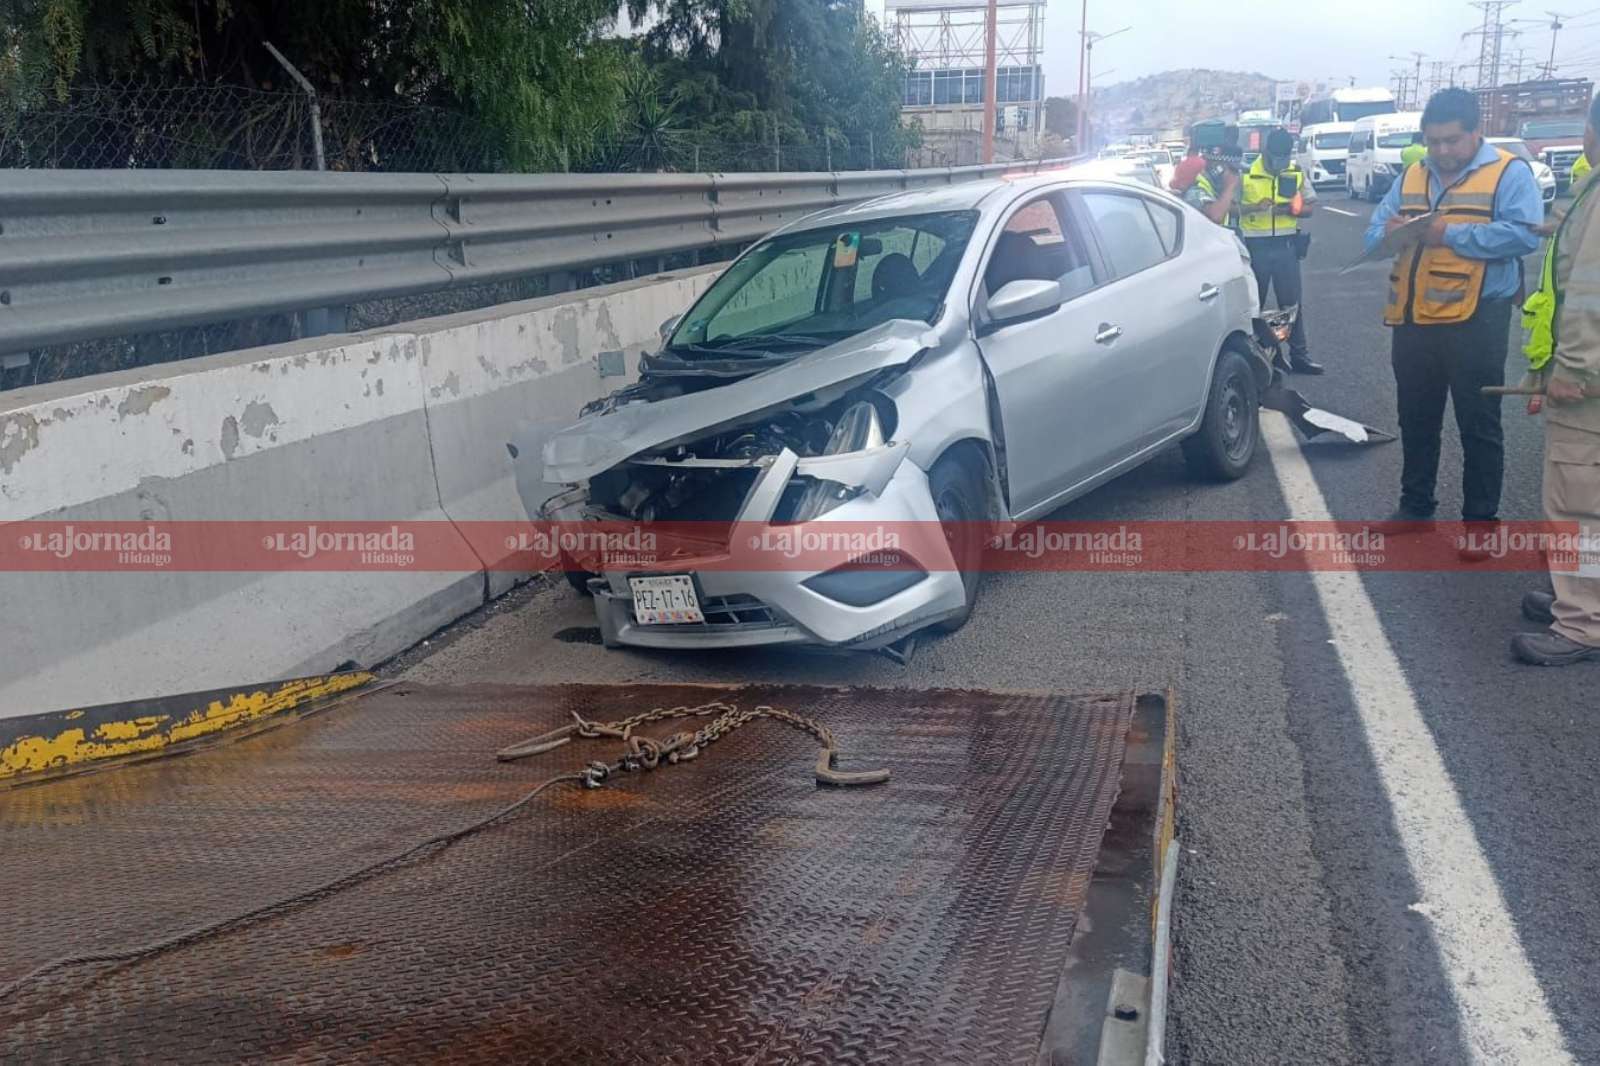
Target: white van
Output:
[
  {"x": 1375, "y": 146},
  {"x": 1322, "y": 150}
]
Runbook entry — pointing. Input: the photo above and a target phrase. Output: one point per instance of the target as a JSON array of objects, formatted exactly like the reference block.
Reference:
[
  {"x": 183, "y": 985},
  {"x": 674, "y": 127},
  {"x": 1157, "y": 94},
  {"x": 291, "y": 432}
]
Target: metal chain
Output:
[{"x": 646, "y": 753}]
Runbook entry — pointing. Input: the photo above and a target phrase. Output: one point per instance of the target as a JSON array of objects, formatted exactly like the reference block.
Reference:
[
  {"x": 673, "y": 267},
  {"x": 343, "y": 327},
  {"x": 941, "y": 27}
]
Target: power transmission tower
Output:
[
  {"x": 1491, "y": 40},
  {"x": 1439, "y": 75}
]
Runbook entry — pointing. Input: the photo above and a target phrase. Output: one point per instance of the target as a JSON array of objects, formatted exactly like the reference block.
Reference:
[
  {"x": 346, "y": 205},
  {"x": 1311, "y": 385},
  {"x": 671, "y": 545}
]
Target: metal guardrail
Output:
[{"x": 92, "y": 254}]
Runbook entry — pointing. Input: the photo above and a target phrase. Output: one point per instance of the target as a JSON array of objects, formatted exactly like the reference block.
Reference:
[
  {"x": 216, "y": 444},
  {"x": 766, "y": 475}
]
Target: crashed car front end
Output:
[{"x": 793, "y": 515}]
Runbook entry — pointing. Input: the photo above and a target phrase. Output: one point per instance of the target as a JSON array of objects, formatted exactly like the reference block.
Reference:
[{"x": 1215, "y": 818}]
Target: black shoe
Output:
[
  {"x": 1551, "y": 649},
  {"x": 1539, "y": 607},
  {"x": 1301, "y": 364},
  {"x": 1409, "y": 522}
]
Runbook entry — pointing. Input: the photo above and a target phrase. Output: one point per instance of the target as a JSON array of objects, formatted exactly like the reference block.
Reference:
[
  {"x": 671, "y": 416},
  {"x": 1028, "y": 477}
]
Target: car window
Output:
[
  {"x": 1167, "y": 225},
  {"x": 1038, "y": 244},
  {"x": 1127, "y": 232},
  {"x": 810, "y": 287}
]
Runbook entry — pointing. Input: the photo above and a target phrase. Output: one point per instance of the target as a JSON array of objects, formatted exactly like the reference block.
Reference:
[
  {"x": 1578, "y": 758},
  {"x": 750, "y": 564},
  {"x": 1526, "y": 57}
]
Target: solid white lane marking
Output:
[
  {"x": 1342, "y": 211},
  {"x": 1505, "y": 1017}
]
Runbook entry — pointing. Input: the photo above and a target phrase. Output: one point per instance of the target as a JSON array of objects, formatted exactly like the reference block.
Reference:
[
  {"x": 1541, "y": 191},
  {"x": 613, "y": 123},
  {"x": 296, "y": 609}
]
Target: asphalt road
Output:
[{"x": 1304, "y": 932}]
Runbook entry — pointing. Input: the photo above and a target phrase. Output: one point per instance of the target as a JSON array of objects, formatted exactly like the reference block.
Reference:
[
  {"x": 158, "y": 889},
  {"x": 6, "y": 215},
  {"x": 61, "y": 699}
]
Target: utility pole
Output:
[
  {"x": 1090, "y": 38},
  {"x": 1439, "y": 75},
  {"x": 1555, "y": 26},
  {"x": 1083, "y": 76},
  {"x": 1415, "y": 81},
  {"x": 991, "y": 106}
]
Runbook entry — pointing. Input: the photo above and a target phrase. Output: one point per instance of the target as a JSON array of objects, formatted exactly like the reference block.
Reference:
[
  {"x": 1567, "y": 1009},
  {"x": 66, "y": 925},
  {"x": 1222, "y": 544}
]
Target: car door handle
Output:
[
  {"x": 1209, "y": 293},
  {"x": 1107, "y": 334}
]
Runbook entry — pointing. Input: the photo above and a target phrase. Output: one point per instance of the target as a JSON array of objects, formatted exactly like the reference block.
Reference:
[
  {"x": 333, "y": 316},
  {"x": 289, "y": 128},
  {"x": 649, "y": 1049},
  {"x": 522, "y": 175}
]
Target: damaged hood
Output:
[{"x": 601, "y": 441}]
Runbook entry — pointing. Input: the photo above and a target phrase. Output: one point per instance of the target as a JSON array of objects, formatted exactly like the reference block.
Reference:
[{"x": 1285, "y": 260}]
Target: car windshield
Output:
[
  {"x": 800, "y": 291},
  {"x": 1547, "y": 130},
  {"x": 1516, "y": 148},
  {"x": 1396, "y": 140},
  {"x": 1333, "y": 140}
]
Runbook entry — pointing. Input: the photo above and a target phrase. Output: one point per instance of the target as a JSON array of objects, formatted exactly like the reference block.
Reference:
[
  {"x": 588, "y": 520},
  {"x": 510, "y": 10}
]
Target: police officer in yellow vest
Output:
[
  {"x": 1562, "y": 324},
  {"x": 1450, "y": 300},
  {"x": 1274, "y": 196}
]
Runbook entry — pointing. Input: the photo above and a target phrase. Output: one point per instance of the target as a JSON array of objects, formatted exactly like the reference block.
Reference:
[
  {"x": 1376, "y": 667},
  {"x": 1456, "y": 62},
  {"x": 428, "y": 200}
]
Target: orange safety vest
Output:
[{"x": 1435, "y": 286}]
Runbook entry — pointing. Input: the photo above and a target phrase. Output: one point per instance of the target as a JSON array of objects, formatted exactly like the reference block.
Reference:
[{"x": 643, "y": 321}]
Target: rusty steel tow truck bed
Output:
[{"x": 724, "y": 909}]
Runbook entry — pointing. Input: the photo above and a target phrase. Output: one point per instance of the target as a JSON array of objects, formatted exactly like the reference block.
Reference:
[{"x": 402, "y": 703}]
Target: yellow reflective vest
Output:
[
  {"x": 1580, "y": 169},
  {"x": 1260, "y": 186},
  {"x": 1435, "y": 286},
  {"x": 1540, "y": 310}
]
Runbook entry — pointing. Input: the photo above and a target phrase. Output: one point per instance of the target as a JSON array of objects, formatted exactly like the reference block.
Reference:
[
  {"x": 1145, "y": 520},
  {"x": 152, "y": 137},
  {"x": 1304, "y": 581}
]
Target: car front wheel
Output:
[
  {"x": 1226, "y": 442},
  {"x": 960, "y": 499}
]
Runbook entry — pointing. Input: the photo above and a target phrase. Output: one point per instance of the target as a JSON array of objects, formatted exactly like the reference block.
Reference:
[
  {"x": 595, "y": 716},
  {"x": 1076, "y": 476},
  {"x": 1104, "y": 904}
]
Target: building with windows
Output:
[{"x": 944, "y": 90}]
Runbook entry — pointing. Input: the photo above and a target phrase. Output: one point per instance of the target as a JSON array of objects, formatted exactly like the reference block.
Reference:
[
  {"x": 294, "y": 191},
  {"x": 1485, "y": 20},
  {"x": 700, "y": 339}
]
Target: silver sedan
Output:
[{"x": 960, "y": 359}]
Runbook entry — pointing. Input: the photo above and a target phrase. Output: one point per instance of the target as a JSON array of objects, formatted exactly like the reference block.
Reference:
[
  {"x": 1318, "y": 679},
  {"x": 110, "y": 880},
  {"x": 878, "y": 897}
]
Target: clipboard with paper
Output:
[{"x": 1402, "y": 239}]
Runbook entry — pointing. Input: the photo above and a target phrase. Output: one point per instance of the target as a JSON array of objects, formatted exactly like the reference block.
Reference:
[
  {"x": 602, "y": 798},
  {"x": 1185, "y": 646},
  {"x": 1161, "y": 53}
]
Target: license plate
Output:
[{"x": 666, "y": 600}]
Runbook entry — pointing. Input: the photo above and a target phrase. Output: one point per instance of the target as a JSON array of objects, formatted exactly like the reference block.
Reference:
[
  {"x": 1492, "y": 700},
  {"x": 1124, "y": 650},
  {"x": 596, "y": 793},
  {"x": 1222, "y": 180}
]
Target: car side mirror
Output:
[
  {"x": 1024, "y": 299},
  {"x": 668, "y": 326}
]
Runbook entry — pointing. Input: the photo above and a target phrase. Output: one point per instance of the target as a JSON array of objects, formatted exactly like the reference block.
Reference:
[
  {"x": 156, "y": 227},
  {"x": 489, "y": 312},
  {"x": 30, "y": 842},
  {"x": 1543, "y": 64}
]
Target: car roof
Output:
[{"x": 967, "y": 196}]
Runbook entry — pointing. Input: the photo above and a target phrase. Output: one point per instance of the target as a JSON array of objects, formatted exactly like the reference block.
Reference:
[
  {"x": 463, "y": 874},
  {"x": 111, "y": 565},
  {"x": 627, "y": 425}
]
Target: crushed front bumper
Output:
[{"x": 775, "y": 606}]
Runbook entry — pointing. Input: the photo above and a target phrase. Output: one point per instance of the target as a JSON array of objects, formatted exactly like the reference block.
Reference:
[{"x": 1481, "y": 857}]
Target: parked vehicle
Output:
[
  {"x": 1322, "y": 150},
  {"x": 1549, "y": 114},
  {"x": 961, "y": 357},
  {"x": 1541, "y": 170},
  {"x": 1556, "y": 141},
  {"x": 1374, "y": 155}
]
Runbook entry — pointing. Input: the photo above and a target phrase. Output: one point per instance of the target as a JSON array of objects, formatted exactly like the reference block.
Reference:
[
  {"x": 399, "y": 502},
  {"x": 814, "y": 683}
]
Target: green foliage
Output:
[
  {"x": 814, "y": 70},
  {"x": 548, "y": 77}
]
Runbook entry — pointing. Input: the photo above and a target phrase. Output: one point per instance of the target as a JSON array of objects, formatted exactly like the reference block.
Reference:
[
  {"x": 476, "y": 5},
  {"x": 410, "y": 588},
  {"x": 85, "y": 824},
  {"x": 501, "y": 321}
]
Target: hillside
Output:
[{"x": 1175, "y": 98}]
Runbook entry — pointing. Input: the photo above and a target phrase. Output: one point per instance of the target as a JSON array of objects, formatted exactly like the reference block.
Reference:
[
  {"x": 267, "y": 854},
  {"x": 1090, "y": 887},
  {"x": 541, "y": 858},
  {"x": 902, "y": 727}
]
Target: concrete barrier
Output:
[
  {"x": 405, "y": 424},
  {"x": 524, "y": 375}
]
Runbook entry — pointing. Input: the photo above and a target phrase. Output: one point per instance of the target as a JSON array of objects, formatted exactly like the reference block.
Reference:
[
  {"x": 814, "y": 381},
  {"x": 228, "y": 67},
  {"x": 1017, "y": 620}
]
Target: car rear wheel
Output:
[
  {"x": 1226, "y": 443},
  {"x": 960, "y": 499}
]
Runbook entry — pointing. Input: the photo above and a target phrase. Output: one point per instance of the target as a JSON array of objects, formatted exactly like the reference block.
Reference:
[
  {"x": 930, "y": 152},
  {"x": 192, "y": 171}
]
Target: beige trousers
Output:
[{"x": 1572, "y": 494}]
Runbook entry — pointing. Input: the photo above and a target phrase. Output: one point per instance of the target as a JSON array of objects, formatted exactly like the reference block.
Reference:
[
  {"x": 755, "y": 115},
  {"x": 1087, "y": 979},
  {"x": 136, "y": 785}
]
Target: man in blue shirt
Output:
[{"x": 1435, "y": 359}]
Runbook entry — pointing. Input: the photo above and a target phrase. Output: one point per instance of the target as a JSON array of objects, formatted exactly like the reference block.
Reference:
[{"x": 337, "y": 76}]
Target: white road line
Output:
[
  {"x": 1504, "y": 1015},
  {"x": 1342, "y": 211}
]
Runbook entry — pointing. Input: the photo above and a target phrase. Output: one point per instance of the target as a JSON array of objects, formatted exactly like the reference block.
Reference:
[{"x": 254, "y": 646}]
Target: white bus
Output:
[
  {"x": 1345, "y": 105},
  {"x": 1322, "y": 150}
]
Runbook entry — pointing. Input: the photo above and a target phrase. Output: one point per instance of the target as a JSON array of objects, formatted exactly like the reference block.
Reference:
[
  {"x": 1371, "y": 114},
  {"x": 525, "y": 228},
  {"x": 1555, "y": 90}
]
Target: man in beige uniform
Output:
[{"x": 1572, "y": 437}]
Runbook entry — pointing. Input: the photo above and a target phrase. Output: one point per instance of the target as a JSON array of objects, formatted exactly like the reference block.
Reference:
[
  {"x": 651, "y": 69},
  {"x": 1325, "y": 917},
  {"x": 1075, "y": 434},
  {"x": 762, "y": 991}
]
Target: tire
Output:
[
  {"x": 578, "y": 579},
  {"x": 1372, "y": 196},
  {"x": 1349, "y": 186},
  {"x": 1226, "y": 443},
  {"x": 961, "y": 498}
]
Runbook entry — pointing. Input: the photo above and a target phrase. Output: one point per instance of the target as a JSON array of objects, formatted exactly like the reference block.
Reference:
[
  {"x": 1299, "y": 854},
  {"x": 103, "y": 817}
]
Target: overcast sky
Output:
[{"x": 1310, "y": 41}]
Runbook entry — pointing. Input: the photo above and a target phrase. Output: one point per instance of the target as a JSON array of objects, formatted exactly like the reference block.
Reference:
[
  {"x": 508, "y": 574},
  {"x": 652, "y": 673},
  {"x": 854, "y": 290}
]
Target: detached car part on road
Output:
[{"x": 969, "y": 356}]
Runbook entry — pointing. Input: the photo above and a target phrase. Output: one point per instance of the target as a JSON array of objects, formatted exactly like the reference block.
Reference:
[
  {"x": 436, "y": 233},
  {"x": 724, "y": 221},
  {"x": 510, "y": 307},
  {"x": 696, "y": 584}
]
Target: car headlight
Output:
[{"x": 858, "y": 429}]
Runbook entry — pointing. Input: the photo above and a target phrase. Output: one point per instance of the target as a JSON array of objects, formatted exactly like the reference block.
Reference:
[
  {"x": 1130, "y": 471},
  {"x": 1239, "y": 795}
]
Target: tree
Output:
[
  {"x": 814, "y": 70},
  {"x": 1061, "y": 116},
  {"x": 542, "y": 75}
]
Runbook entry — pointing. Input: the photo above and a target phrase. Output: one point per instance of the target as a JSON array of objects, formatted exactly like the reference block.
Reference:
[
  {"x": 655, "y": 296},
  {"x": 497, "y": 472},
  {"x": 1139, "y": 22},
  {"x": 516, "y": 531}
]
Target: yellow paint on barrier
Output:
[{"x": 143, "y": 733}]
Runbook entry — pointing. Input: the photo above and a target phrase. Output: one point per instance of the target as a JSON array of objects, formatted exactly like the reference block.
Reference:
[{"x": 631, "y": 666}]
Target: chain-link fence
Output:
[{"x": 229, "y": 127}]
